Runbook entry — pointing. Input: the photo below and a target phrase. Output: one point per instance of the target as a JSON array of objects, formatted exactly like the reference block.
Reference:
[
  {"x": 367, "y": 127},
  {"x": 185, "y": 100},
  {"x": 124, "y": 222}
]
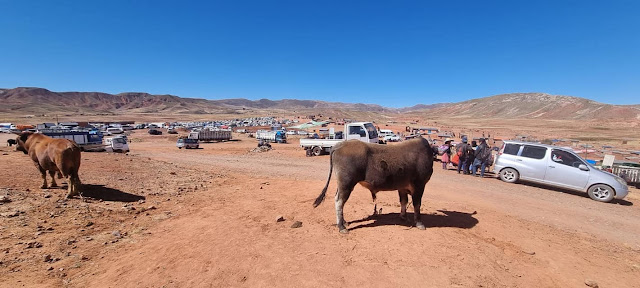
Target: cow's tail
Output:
[{"x": 324, "y": 191}]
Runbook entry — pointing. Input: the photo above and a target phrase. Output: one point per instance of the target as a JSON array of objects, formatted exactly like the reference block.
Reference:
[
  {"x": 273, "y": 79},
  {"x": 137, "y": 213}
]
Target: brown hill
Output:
[
  {"x": 39, "y": 101},
  {"x": 536, "y": 106},
  {"x": 28, "y": 100}
]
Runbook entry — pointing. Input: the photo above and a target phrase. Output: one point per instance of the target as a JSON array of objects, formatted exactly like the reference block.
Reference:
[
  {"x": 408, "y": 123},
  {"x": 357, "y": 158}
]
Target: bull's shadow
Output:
[
  {"x": 452, "y": 219},
  {"x": 104, "y": 193}
]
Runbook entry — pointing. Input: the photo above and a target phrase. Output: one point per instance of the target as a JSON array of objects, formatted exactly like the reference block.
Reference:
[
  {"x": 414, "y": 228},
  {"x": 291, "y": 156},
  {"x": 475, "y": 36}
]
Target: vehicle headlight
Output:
[{"x": 621, "y": 181}]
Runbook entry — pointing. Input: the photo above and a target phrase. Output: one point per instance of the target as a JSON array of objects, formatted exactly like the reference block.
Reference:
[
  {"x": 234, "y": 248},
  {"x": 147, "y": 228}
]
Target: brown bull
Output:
[
  {"x": 53, "y": 155},
  {"x": 406, "y": 167}
]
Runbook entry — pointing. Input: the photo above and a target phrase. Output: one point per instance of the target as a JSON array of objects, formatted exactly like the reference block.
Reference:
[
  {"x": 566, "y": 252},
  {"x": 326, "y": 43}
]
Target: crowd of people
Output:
[{"x": 469, "y": 158}]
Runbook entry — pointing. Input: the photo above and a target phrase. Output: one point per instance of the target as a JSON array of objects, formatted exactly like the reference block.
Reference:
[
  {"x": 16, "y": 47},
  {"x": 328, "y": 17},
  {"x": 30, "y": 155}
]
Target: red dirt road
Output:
[{"x": 215, "y": 226}]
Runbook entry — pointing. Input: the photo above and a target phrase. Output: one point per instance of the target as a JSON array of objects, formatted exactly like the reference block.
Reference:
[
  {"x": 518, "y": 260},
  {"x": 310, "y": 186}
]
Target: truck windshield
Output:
[
  {"x": 371, "y": 130},
  {"x": 191, "y": 141}
]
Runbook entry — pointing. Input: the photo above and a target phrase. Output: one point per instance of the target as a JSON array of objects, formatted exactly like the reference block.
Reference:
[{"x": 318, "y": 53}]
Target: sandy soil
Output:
[{"x": 163, "y": 217}]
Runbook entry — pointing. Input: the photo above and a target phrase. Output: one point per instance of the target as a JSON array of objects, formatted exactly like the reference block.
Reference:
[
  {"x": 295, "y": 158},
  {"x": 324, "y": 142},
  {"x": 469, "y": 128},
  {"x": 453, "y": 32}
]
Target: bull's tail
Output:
[{"x": 324, "y": 191}]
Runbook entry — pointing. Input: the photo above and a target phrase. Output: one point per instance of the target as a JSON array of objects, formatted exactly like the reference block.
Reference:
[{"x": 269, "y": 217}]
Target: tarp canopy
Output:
[{"x": 309, "y": 125}]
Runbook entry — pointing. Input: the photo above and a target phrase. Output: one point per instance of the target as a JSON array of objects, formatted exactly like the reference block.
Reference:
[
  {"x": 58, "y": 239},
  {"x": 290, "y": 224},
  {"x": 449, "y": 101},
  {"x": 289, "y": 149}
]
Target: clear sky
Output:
[{"x": 393, "y": 53}]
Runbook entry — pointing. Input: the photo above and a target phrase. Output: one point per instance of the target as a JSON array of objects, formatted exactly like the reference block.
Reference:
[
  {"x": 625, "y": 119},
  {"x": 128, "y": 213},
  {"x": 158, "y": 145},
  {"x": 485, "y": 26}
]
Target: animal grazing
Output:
[
  {"x": 52, "y": 155},
  {"x": 406, "y": 167}
]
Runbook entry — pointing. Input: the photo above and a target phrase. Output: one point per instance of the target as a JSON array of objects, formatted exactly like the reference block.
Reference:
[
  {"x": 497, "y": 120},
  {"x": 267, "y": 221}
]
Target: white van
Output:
[
  {"x": 114, "y": 130},
  {"x": 116, "y": 144},
  {"x": 384, "y": 133}
]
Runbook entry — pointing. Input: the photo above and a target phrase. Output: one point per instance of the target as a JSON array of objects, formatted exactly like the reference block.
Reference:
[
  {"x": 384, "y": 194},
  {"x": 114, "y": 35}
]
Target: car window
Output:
[
  {"x": 511, "y": 149},
  {"x": 534, "y": 152},
  {"x": 565, "y": 158}
]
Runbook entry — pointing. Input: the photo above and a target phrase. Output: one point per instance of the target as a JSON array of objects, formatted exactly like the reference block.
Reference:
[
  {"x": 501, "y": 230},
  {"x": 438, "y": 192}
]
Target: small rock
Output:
[
  {"x": 172, "y": 173},
  {"x": 33, "y": 244},
  {"x": 88, "y": 238},
  {"x": 116, "y": 234},
  {"x": 529, "y": 252},
  {"x": 84, "y": 258},
  {"x": 89, "y": 224},
  {"x": 591, "y": 283},
  {"x": 47, "y": 195},
  {"x": 4, "y": 199},
  {"x": 296, "y": 224},
  {"x": 141, "y": 201},
  {"x": 71, "y": 241},
  {"x": 151, "y": 207},
  {"x": 50, "y": 268},
  {"x": 47, "y": 258},
  {"x": 10, "y": 214},
  {"x": 279, "y": 219}
]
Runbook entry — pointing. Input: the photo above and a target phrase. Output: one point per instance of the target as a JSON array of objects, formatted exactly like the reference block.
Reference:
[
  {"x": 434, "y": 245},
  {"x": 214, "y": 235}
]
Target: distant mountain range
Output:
[{"x": 40, "y": 101}]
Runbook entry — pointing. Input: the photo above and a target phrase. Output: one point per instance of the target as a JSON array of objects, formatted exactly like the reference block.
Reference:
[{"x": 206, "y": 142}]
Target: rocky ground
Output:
[{"x": 225, "y": 216}]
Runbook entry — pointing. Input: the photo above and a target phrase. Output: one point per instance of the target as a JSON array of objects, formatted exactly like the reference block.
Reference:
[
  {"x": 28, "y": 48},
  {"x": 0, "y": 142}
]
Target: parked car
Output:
[
  {"x": 557, "y": 167},
  {"x": 116, "y": 144},
  {"x": 187, "y": 143},
  {"x": 172, "y": 131},
  {"x": 392, "y": 138},
  {"x": 155, "y": 132}
]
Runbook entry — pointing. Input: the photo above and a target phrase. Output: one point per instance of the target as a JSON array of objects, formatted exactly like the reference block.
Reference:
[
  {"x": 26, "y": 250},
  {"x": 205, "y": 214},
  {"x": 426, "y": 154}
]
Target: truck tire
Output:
[{"x": 317, "y": 151}]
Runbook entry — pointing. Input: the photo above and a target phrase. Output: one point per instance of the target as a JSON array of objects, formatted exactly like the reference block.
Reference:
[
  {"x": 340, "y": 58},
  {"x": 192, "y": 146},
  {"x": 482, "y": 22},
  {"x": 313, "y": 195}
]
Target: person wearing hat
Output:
[
  {"x": 463, "y": 150},
  {"x": 482, "y": 155},
  {"x": 446, "y": 154}
]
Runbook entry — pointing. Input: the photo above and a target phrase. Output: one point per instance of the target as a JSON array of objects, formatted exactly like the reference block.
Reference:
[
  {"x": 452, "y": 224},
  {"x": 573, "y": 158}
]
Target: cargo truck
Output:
[{"x": 211, "y": 135}]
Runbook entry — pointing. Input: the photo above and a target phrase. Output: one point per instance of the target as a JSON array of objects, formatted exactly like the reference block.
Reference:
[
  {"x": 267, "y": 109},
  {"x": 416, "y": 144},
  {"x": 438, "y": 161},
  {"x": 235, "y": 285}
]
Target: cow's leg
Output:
[
  {"x": 375, "y": 203},
  {"x": 52, "y": 173},
  {"x": 417, "y": 201},
  {"x": 404, "y": 199},
  {"x": 43, "y": 172},
  {"x": 344, "y": 191}
]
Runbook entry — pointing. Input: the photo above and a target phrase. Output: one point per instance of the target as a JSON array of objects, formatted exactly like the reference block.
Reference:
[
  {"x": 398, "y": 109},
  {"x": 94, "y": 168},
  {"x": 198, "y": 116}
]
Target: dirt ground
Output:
[{"x": 163, "y": 217}]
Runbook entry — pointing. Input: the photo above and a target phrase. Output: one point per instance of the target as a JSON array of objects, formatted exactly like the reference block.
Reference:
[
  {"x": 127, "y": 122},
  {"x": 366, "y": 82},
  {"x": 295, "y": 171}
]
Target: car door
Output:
[
  {"x": 563, "y": 171},
  {"x": 533, "y": 162}
]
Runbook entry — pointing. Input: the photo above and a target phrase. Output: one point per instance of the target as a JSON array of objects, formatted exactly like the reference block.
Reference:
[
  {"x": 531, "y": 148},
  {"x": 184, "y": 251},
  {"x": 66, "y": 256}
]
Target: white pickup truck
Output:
[{"x": 362, "y": 131}]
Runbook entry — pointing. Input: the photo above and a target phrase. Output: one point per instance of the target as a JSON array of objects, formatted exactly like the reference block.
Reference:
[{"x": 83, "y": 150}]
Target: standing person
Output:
[
  {"x": 472, "y": 157},
  {"x": 446, "y": 154},
  {"x": 482, "y": 153},
  {"x": 462, "y": 150}
]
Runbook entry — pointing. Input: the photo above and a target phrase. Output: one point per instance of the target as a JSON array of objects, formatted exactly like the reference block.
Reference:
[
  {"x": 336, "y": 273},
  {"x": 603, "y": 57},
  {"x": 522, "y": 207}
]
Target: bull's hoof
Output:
[
  {"x": 43, "y": 187},
  {"x": 420, "y": 226},
  {"x": 344, "y": 231},
  {"x": 53, "y": 186}
]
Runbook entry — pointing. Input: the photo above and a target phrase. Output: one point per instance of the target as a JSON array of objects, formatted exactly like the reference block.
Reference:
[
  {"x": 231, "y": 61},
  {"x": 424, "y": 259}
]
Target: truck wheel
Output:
[
  {"x": 317, "y": 151},
  {"x": 179, "y": 147}
]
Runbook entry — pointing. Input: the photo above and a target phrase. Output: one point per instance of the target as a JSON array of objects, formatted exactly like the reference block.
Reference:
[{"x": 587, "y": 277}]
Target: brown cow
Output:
[
  {"x": 53, "y": 155},
  {"x": 406, "y": 167}
]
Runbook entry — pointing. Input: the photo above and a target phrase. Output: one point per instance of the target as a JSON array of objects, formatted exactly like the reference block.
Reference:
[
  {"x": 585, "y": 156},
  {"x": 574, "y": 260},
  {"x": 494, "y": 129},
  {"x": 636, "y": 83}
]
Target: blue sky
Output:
[{"x": 393, "y": 53}]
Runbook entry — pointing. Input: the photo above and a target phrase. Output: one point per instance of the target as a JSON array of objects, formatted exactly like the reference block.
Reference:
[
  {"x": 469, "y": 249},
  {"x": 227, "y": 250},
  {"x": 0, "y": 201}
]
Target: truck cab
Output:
[{"x": 361, "y": 131}]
